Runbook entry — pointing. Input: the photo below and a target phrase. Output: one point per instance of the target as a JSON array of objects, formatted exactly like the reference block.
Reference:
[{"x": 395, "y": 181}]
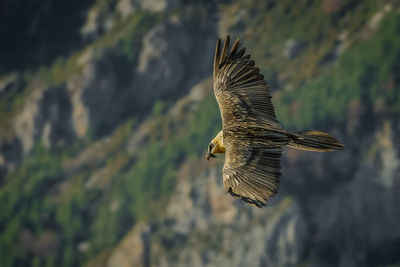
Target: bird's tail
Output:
[{"x": 314, "y": 141}]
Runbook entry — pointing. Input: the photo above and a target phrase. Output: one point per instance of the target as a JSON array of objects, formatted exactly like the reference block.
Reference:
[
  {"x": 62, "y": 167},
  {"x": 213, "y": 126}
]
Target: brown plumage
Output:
[{"x": 251, "y": 137}]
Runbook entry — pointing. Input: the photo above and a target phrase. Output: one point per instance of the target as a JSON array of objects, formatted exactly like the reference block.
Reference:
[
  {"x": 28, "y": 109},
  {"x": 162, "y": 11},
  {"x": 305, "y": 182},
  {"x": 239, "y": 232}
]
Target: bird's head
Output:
[{"x": 216, "y": 146}]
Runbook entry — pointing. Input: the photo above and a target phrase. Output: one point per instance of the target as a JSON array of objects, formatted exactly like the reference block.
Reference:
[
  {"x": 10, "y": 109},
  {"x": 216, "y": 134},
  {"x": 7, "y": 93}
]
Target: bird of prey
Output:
[{"x": 251, "y": 137}]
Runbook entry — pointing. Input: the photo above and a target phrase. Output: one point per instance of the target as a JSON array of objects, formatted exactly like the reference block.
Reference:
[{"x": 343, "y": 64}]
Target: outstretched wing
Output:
[
  {"x": 253, "y": 138},
  {"x": 241, "y": 91}
]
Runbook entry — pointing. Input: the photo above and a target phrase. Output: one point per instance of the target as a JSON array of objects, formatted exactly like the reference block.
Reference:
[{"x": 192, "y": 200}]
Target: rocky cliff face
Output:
[
  {"x": 101, "y": 153},
  {"x": 329, "y": 212},
  {"x": 108, "y": 88},
  {"x": 48, "y": 29}
]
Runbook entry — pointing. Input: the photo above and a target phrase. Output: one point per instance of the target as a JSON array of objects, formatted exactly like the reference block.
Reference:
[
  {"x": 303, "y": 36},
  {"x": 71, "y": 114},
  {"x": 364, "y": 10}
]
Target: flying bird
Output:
[{"x": 251, "y": 137}]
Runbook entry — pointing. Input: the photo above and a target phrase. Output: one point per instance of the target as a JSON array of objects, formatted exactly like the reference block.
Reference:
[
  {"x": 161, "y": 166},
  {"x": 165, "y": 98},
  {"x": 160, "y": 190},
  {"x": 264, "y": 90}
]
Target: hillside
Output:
[{"x": 102, "y": 139}]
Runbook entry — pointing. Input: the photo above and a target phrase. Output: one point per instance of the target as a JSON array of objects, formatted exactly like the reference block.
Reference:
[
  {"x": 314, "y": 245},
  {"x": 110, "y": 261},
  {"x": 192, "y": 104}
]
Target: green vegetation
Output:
[
  {"x": 40, "y": 196},
  {"x": 367, "y": 71},
  {"x": 268, "y": 25},
  {"x": 25, "y": 204}
]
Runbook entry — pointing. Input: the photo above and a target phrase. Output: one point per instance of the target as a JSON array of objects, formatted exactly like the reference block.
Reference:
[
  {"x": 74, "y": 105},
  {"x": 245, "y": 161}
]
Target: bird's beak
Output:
[{"x": 209, "y": 154}]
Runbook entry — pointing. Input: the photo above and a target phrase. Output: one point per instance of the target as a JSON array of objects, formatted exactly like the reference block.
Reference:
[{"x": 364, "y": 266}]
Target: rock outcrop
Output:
[{"x": 109, "y": 88}]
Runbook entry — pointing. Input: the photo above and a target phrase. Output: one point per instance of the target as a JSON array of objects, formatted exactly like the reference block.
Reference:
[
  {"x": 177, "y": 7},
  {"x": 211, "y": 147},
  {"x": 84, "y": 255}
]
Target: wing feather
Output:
[
  {"x": 254, "y": 174},
  {"x": 234, "y": 49},
  {"x": 234, "y": 75},
  {"x": 217, "y": 55},
  {"x": 224, "y": 54}
]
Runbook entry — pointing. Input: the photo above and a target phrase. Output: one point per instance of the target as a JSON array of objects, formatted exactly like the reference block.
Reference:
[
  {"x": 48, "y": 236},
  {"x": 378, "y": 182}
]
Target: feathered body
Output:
[{"x": 251, "y": 137}]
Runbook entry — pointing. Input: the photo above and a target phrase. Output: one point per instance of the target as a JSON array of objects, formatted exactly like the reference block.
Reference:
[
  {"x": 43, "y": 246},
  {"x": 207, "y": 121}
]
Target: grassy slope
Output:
[{"x": 369, "y": 62}]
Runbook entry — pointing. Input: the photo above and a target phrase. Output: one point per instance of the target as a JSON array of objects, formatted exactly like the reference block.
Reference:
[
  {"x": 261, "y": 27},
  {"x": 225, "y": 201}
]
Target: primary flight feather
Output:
[{"x": 251, "y": 136}]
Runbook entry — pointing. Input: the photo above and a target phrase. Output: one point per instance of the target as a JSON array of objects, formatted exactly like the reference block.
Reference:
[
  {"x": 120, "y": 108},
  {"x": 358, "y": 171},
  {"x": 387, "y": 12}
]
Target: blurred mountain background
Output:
[{"x": 107, "y": 109}]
